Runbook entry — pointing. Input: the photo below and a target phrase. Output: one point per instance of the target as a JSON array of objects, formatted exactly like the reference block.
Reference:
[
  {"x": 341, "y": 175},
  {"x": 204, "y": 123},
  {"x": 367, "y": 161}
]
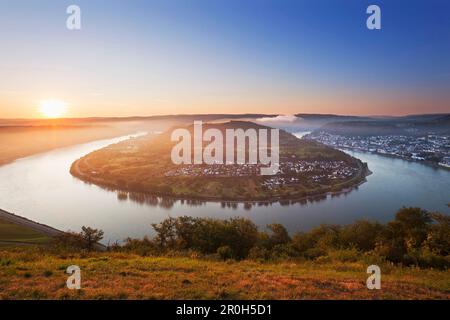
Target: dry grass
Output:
[{"x": 31, "y": 273}]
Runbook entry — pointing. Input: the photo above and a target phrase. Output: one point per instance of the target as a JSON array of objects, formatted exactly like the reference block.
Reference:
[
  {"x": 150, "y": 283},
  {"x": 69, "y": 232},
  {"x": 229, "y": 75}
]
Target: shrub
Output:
[
  {"x": 324, "y": 237},
  {"x": 283, "y": 251},
  {"x": 86, "y": 239},
  {"x": 207, "y": 235},
  {"x": 259, "y": 253},
  {"x": 425, "y": 258},
  {"x": 361, "y": 234},
  {"x": 314, "y": 253},
  {"x": 225, "y": 252},
  {"x": 69, "y": 240},
  {"x": 438, "y": 238},
  {"x": 345, "y": 255},
  {"x": 91, "y": 236},
  {"x": 432, "y": 260},
  {"x": 144, "y": 247},
  {"x": 279, "y": 235},
  {"x": 392, "y": 250},
  {"x": 411, "y": 225},
  {"x": 414, "y": 237}
]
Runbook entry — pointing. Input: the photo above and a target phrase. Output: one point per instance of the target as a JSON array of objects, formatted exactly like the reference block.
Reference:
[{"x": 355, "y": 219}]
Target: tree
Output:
[
  {"x": 244, "y": 236},
  {"x": 438, "y": 239},
  {"x": 279, "y": 235},
  {"x": 403, "y": 237},
  {"x": 361, "y": 234},
  {"x": 91, "y": 236},
  {"x": 165, "y": 233},
  {"x": 225, "y": 252},
  {"x": 412, "y": 224},
  {"x": 186, "y": 227}
]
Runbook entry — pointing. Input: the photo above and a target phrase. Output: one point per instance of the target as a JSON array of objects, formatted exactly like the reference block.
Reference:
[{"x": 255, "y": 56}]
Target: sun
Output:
[{"x": 52, "y": 108}]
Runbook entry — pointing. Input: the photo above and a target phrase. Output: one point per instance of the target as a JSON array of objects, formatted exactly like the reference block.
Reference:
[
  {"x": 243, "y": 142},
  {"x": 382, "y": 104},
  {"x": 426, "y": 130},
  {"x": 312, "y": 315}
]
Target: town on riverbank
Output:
[{"x": 429, "y": 148}]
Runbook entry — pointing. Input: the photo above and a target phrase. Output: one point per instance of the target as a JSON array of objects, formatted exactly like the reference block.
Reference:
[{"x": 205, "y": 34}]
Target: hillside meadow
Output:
[
  {"x": 36, "y": 273},
  {"x": 203, "y": 258}
]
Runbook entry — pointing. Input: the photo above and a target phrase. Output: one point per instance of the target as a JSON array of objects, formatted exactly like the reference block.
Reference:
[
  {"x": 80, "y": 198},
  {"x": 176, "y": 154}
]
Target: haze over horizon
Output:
[
  {"x": 275, "y": 116},
  {"x": 145, "y": 58}
]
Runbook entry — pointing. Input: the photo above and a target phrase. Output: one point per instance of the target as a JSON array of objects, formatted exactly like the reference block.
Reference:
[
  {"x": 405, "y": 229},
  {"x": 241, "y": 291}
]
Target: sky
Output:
[{"x": 146, "y": 57}]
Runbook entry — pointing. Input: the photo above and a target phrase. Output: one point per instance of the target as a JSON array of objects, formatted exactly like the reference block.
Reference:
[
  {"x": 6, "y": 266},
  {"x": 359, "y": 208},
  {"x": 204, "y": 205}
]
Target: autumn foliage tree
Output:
[{"x": 91, "y": 236}]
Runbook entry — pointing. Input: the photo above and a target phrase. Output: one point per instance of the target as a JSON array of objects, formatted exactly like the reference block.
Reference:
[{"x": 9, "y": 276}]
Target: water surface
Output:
[{"x": 41, "y": 188}]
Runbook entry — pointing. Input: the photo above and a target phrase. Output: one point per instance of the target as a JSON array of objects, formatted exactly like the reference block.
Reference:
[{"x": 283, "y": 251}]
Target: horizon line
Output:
[{"x": 298, "y": 115}]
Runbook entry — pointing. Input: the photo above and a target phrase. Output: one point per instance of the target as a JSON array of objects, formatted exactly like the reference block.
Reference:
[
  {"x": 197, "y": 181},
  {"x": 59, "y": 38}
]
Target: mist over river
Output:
[{"x": 42, "y": 189}]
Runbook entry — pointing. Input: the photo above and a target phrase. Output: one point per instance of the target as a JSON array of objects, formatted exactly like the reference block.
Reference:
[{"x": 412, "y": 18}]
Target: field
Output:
[
  {"x": 31, "y": 273},
  {"x": 12, "y": 234}
]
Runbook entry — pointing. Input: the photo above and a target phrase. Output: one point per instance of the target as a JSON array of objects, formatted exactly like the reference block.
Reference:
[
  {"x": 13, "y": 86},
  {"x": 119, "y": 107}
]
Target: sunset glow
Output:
[
  {"x": 52, "y": 108},
  {"x": 331, "y": 65}
]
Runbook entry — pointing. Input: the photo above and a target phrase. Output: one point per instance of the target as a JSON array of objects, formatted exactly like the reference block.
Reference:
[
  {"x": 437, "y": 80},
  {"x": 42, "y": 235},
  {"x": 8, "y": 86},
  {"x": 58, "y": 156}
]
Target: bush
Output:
[
  {"x": 314, "y": 253},
  {"x": 425, "y": 258},
  {"x": 410, "y": 225},
  {"x": 414, "y": 237},
  {"x": 144, "y": 247},
  {"x": 207, "y": 235},
  {"x": 259, "y": 253},
  {"x": 283, "y": 251},
  {"x": 225, "y": 253},
  {"x": 91, "y": 236},
  {"x": 69, "y": 241},
  {"x": 432, "y": 260},
  {"x": 324, "y": 237},
  {"x": 279, "y": 235},
  {"x": 391, "y": 250},
  {"x": 345, "y": 255},
  {"x": 361, "y": 234},
  {"x": 438, "y": 238},
  {"x": 86, "y": 239}
]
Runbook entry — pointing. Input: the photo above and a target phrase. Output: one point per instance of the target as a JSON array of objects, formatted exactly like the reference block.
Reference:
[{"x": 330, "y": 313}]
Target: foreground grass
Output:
[
  {"x": 35, "y": 273},
  {"x": 13, "y": 234}
]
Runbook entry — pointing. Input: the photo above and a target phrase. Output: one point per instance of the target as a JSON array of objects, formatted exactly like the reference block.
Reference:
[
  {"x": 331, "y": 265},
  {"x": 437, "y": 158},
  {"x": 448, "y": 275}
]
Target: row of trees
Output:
[{"x": 414, "y": 237}]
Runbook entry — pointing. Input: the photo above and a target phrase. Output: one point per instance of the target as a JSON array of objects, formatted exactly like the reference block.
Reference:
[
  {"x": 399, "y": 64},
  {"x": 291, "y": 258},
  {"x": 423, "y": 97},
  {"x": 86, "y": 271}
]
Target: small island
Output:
[{"x": 143, "y": 165}]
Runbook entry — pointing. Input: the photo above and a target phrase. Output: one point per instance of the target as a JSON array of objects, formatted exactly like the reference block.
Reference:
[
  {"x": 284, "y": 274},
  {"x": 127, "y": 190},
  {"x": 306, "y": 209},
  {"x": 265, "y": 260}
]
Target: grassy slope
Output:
[
  {"x": 12, "y": 234},
  {"x": 32, "y": 273}
]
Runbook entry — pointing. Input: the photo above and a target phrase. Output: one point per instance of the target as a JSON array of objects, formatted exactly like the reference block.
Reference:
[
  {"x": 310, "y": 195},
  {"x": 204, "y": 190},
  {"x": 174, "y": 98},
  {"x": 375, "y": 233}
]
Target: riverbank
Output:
[
  {"x": 307, "y": 170},
  {"x": 387, "y": 155},
  {"x": 335, "y": 190}
]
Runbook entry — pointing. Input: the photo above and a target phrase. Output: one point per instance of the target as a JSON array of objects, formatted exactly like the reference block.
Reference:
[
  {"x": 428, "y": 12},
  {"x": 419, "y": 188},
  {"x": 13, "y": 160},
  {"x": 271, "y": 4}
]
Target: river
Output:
[{"x": 41, "y": 188}]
